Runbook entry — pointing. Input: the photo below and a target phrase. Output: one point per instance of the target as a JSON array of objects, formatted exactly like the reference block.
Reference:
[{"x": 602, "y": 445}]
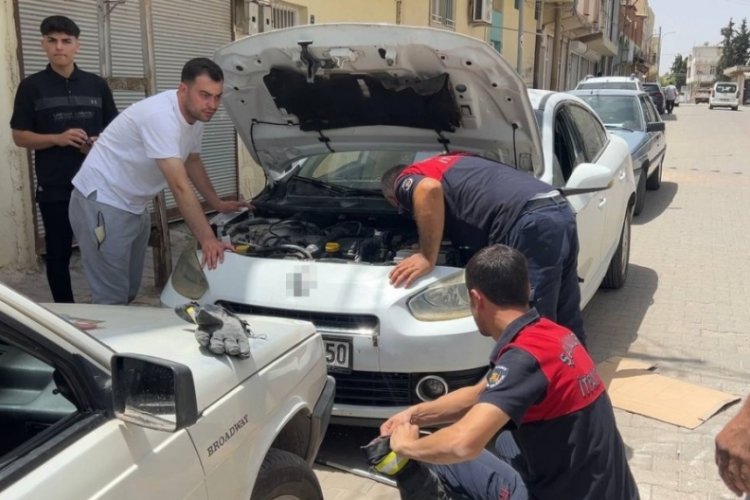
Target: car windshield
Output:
[
  {"x": 354, "y": 170},
  {"x": 617, "y": 110},
  {"x": 608, "y": 85},
  {"x": 726, "y": 88}
]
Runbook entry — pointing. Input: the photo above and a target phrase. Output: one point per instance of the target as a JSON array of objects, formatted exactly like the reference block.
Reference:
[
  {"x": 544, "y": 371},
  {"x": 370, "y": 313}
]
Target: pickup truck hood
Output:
[
  {"x": 160, "y": 333},
  {"x": 311, "y": 89}
]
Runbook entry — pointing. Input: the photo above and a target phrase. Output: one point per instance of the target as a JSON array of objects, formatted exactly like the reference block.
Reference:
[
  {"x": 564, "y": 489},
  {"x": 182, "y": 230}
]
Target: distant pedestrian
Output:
[
  {"x": 733, "y": 451},
  {"x": 670, "y": 96},
  {"x": 58, "y": 114},
  {"x": 153, "y": 144}
]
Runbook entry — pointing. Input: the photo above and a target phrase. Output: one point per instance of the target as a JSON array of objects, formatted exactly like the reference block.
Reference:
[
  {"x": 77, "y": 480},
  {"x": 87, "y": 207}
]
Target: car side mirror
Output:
[
  {"x": 588, "y": 178},
  {"x": 152, "y": 392},
  {"x": 655, "y": 127}
]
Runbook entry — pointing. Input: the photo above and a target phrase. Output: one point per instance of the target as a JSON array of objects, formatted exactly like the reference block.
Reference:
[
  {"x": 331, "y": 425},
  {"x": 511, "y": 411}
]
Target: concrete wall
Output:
[{"x": 16, "y": 226}]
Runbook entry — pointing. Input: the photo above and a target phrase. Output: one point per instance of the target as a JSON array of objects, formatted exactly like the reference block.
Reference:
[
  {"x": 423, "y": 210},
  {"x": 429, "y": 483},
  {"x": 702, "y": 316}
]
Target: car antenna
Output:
[{"x": 515, "y": 127}]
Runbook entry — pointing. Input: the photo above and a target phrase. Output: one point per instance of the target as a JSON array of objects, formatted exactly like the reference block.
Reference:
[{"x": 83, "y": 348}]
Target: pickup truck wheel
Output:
[
  {"x": 640, "y": 192},
  {"x": 285, "y": 476},
  {"x": 654, "y": 180},
  {"x": 618, "y": 266}
]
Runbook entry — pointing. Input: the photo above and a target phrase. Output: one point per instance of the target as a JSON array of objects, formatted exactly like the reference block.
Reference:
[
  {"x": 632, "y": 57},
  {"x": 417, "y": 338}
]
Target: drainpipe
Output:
[
  {"x": 398, "y": 11},
  {"x": 538, "y": 55},
  {"x": 556, "y": 50},
  {"x": 519, "y": 54}
]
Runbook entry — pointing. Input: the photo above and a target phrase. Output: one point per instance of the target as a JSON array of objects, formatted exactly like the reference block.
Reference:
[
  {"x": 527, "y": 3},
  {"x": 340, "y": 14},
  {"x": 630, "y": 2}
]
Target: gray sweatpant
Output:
[{"x": 113, "y": 256}]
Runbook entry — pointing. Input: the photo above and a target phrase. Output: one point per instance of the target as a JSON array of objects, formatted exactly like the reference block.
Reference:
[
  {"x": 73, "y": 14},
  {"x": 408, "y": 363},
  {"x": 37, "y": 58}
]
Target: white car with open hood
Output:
[
  {"x": 326, "y": 110},
  {"x": 120, "y": 402}
]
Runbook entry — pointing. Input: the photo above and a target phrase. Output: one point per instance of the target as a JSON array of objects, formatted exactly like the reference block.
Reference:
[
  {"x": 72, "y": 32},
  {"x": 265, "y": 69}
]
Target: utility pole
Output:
[
  {"x": 556, "y": 50},
  {"x": 658, "y": 56},
  {"x": 538, "y": 62},
  {"x": 519, "y": 55}
]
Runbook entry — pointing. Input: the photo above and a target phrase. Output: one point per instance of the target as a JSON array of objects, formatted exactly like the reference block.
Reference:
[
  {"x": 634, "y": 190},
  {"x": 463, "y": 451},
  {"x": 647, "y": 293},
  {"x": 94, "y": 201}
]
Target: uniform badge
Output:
[
  {"x": 406, "y": 185},
  {"x": 496, "y": 376}
]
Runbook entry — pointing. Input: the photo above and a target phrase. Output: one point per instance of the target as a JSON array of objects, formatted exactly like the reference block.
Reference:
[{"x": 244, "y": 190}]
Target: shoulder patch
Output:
[
  {"x": 406, "y": 185},
  {"x": 496, "y": 376}
]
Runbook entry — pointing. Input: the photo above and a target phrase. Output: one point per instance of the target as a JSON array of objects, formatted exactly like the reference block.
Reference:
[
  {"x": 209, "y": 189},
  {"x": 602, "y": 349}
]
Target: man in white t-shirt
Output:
[{"x": 153, "y": 144}]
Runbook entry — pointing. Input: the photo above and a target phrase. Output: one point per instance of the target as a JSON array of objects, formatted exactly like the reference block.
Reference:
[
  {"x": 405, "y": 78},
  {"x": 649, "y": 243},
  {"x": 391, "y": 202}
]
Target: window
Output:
[
  {"x": 567, "y": 146},
  {"x": 443, "y": 13},
  {"x": 284, "y": 17},
  {"x": 648, "y": 108},
  {"x": 517, "y": 4},
  {"x": 592, "y": 134}
]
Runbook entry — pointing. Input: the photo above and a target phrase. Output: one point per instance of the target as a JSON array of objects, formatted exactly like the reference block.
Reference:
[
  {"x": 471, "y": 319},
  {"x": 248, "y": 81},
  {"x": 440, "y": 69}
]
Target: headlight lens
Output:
[
  {"x": 188, "y": 278},
  {"x": 444, "y": 300}
]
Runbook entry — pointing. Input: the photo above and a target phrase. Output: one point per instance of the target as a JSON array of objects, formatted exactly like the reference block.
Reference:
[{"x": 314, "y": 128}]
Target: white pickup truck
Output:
[{"x": 121, "y": 402}]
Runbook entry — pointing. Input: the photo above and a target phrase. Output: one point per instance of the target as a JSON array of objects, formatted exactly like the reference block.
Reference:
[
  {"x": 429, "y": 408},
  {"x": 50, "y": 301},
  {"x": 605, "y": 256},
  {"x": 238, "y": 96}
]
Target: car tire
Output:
[
  {"x": 640, "y": 192},
  {"x": 654, "y": 180},
  {"x": 735, "y": 108},
  {"x": 285, "y": 475},
  {"x": 617, "y": 272},
  {"x": 710, "y": 107}
]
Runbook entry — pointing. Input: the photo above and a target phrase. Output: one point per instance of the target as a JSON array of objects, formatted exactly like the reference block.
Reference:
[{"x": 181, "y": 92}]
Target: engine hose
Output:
[{"x": 284, "y": 247}]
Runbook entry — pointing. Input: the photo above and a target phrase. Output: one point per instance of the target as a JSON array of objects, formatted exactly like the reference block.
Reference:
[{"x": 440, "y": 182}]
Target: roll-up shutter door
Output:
[{"x": 183, "y": 29}]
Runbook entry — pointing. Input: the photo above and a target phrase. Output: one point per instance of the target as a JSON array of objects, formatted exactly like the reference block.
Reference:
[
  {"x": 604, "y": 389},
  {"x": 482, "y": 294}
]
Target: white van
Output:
[{"x": 724, "y": 94}]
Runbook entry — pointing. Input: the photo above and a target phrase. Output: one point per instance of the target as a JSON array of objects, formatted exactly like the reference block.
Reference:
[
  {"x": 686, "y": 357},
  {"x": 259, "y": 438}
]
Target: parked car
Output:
[
  {"x": 654, "y": 90},
  {"x": 724, "y": 95},
  {"x": 701, "y": 94},
  {"x": 325, "y": 118},
  {"x": 632, "y": 115},
  {"x": 121, "y": 402},
  {"x": 611, "y": 82}
]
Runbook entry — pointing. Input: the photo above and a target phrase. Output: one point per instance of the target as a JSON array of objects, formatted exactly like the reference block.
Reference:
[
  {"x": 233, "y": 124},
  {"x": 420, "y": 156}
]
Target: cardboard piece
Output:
[{"x": 633, "y": 386}]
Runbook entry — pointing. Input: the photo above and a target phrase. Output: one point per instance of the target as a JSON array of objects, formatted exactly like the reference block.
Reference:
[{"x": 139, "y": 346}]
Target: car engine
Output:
[{"x": 344, "y": 241}]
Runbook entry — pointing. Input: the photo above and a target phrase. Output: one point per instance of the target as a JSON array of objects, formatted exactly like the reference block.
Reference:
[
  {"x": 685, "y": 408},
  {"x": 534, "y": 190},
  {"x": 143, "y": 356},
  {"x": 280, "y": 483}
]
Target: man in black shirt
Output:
[
  {"x": 58, "y": 113},
  {"x": 541, "y": 385}
]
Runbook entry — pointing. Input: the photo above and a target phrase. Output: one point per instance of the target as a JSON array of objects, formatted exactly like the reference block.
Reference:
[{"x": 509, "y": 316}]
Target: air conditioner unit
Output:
[{"x": 481, "y": 11}]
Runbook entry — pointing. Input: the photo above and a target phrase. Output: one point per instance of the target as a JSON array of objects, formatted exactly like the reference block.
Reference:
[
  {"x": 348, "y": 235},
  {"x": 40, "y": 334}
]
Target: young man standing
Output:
[
  {"x": 58, "y": 114},
  {"x": 153, "y": 144},
  {"x": 541, "y": 385}
]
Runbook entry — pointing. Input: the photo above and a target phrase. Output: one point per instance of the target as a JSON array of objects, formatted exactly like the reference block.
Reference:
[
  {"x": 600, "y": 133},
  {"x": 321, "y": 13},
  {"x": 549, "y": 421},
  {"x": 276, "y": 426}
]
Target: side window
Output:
[
  {"x": 567, "y": 145},
  {"x": 33, "y": 398},
  {"x": 651, "y": 114},
  {"x": 592, "y": 134}
]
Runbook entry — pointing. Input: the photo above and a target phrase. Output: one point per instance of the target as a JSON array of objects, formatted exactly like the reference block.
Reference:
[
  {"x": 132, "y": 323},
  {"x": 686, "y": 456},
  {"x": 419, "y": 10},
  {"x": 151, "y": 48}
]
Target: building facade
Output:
[{"x": 701, "y": 67}]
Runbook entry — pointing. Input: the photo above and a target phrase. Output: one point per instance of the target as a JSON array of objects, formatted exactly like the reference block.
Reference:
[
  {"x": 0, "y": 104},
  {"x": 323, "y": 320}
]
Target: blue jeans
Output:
[
  {"x": 548, "y": 237},
  {"x": 489, "y": 476}
]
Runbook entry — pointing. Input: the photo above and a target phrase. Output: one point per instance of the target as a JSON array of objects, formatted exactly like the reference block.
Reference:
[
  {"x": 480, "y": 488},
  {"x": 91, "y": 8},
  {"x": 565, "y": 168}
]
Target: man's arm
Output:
[
  {"x": 176, "y": 175},
  {"x": 197, "y": 173},
  {"x": 733, "y": 451},
  {"x": 459, "y": 442},
  {"x": 74, "y": 137},
  {"x": 444, "y": 410},
  {"x": 429, "y": 214}
]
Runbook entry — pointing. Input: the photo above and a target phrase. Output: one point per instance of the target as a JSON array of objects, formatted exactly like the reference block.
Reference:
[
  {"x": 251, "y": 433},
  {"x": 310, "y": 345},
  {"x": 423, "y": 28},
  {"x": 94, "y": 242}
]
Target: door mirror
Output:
[
  {"x": 153, "y": 393},
  {"x": 655, "y": 127},
  {"x": 589, "y": 178}
]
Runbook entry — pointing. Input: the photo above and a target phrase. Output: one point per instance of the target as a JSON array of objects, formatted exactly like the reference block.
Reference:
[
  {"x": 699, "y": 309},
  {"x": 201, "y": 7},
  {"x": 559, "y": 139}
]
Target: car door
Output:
[
  {"x": 656, "y": 140},
  {"x": 58, "y": 437},
  {"x": 589, "y": 207}
]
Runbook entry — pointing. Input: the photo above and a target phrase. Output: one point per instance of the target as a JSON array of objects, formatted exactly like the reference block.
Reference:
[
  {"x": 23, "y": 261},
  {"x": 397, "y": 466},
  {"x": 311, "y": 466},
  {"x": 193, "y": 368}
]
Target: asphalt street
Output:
[{"x": 684, "y": 307}]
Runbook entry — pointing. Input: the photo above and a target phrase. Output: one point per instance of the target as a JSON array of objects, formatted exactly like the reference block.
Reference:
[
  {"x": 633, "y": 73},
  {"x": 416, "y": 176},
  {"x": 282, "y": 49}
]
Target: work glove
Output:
[{"x": 219, "y": 330}]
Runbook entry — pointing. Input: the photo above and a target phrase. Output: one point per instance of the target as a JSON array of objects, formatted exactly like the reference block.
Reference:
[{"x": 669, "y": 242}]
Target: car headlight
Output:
[
  {"x": 444, "y": 300},
  {"x": 188, "y": 278}
]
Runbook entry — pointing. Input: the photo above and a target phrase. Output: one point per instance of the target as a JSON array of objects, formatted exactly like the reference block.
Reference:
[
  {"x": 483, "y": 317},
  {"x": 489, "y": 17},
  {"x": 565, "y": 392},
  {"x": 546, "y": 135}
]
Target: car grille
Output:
[
  {"x": 324, "y": 322},
  {"x": 393, "y": 389}
]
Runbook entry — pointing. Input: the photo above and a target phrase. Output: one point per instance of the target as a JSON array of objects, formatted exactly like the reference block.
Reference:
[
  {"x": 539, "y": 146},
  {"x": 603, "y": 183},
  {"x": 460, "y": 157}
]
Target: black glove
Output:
[{"x": 221, "y": 331}]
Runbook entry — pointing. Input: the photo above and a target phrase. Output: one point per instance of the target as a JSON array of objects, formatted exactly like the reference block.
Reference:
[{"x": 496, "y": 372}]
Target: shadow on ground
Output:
[{"x": 657, "y": 202}]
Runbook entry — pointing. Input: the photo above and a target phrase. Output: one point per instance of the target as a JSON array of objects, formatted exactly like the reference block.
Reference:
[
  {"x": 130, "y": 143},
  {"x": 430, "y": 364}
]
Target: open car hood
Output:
[{"x": 312, "y": 89}]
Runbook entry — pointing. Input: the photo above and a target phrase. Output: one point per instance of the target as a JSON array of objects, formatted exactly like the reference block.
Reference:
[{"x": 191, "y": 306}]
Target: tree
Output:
[
  {"x": 741, "y": 45},
  {"x": 727, "y": 50},
  {"x": 678, "y": 75}
]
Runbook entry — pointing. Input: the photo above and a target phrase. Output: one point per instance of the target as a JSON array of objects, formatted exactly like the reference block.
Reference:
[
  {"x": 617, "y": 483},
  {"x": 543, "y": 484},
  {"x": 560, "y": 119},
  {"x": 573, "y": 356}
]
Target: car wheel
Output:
[
  {"x": 654, "y": 180},
  {"x": 735, "y": 108},
  {"x": 618, "y": 266},
  {"x": 710, "y": 107},
  {"x": 284, "y": 475},
  {"x": 640, "y": 193}
]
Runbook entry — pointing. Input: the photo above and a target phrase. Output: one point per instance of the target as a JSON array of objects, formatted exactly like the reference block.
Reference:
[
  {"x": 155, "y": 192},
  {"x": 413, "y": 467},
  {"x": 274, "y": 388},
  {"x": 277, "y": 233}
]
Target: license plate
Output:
[{"x": 338, "y": 353}]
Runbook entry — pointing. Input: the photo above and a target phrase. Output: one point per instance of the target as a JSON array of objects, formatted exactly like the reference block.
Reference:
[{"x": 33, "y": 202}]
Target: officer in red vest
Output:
[{"x": 541, "y": 386}]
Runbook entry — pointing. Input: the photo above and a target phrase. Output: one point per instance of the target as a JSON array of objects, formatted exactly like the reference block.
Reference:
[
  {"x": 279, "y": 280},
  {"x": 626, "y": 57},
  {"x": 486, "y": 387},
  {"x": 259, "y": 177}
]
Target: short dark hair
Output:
[
  {"x": 59, "y": 24},
  {"x": 201, "y": 66},
  {"x": 388, "y": 181},
  {"x": 501, "y": 274}
]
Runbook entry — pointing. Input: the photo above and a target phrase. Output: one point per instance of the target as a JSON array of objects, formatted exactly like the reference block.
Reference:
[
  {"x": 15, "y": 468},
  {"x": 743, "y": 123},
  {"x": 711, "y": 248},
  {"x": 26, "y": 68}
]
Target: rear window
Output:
[
  {"x": 608, "y": 85},
  {"x": 650, "y": 87},
  {"x": 726, "y": 88}
]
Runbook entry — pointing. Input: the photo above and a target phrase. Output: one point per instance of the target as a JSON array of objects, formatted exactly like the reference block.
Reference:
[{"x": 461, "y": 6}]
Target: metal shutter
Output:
[{"x": 182, "y": 29}]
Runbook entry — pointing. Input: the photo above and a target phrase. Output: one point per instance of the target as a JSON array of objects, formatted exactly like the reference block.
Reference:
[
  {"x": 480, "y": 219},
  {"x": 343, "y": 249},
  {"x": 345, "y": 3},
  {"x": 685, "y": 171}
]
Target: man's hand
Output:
[
  {"x": 213, "y": 252},
  {"x": 733, "y": 453},
  {"x": 409, "y": 269},
  {"x": 86, "y": 148},
  {"x": 402, "y": 436},
  {"x": 230, "y": 206},
  {"x": 74, "y": 137},
  {"x": 402, "y": 417}
]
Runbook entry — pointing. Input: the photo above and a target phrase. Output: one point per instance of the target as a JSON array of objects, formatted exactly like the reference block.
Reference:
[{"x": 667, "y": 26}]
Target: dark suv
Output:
[{"x": 653, "y": 89}]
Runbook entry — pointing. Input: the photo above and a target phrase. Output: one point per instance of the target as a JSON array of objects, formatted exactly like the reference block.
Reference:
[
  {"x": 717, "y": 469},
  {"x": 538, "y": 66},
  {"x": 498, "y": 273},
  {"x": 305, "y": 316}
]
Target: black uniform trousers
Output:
[{"x": 58, "y": 237}]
